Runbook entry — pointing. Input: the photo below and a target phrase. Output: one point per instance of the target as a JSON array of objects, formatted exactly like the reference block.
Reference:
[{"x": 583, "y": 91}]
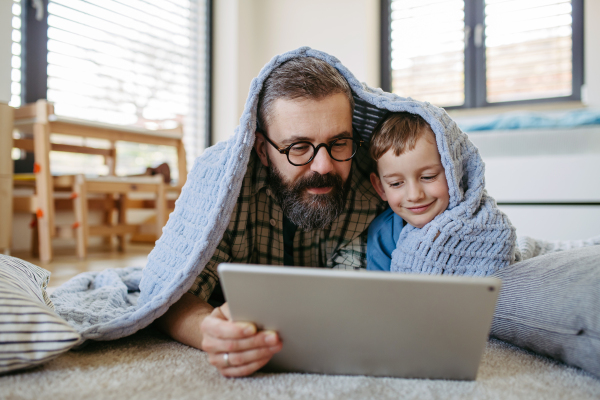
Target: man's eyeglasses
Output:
[{"x": 301, "y": 153}]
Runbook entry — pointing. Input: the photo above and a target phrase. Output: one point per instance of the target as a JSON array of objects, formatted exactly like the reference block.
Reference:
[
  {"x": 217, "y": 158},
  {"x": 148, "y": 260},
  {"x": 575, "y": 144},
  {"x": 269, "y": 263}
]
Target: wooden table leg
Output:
[
  {"x": 43, "y": 181},
  {"x": 6, "y": 177},
  {"x": 181, "y": 164},
  {"x": 122, "y": 220},
  {"x": 161, "y": 209},
  {"x": 81, "y": 216}
]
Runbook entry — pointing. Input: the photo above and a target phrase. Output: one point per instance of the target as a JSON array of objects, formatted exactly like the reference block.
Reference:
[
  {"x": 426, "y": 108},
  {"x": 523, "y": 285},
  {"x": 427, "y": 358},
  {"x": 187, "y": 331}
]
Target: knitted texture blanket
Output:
[
  {"x": 116, "y": 303},
  {"x": 472, "y": 237}
]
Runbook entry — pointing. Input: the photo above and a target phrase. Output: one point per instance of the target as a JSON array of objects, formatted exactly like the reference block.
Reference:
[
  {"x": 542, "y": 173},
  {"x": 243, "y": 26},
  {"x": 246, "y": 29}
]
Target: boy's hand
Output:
[{"x": 236, "y": 348}]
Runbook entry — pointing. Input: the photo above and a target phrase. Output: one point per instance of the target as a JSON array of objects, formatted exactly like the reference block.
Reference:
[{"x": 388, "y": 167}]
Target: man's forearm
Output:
[{"x": 182, "y": 321}]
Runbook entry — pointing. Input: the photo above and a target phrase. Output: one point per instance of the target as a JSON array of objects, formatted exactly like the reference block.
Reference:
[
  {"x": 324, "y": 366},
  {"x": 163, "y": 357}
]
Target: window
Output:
[
  {"x": 130, "y": 62},
  {"x": 474, "y": 53},
  {"x": 15, "y": 88}
]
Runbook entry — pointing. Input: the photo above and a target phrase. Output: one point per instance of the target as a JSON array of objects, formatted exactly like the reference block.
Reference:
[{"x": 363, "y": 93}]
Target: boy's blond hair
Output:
[{"x": 399, "y": 132}]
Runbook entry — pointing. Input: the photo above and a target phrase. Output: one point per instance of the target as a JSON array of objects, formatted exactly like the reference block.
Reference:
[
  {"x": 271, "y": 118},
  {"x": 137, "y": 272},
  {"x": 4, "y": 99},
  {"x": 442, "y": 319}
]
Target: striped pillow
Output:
[{"x": 30, "y": 331}]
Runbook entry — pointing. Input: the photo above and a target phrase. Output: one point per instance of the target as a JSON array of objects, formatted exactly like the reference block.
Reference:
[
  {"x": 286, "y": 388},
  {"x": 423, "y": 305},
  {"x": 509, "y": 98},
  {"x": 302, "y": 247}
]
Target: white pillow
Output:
[{"x": 30, "y": 331}]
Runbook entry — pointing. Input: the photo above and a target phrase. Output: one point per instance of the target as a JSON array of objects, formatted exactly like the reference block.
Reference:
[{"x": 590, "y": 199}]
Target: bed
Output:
[{"x": 543, "y": 170}]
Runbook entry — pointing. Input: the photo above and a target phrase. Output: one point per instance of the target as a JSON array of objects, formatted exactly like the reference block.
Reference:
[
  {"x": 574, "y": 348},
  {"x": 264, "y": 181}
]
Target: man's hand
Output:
[
  {"x": 194, "y": 322},
  {"x": 236, "y": 348}
]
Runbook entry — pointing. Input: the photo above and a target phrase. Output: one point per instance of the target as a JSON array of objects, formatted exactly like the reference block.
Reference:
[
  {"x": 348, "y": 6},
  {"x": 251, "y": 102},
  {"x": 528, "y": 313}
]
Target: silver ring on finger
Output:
[{"x": 226, "y": 359}]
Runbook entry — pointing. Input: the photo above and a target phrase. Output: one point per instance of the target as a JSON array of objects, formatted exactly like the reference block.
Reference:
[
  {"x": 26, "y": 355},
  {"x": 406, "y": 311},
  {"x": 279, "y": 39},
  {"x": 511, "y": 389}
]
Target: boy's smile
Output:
[
  {"x": 420, "y": 209},
  {"x": 414, "y": 183}
]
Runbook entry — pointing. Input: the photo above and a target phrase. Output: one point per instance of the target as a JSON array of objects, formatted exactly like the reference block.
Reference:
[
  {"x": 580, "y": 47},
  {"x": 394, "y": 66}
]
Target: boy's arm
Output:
[{"x": 382, "y": 240}]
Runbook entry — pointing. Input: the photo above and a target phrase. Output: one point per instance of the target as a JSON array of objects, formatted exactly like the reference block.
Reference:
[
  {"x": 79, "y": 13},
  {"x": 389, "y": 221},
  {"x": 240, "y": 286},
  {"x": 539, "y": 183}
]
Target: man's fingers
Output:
[
  {"x": 215, "y": 326},
  {"x": 213, "y": 344},
  {"x": 224, "y": 309},
  {"x": 244, "y": 370},
  {"x": 240, "y": 359},
  {"x": 218, "y": 313}
]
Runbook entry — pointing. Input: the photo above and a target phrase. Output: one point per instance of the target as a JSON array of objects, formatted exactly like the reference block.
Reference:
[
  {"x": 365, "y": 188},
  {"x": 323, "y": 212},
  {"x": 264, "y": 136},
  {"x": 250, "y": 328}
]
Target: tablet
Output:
[{"x": 366, "y": 323}]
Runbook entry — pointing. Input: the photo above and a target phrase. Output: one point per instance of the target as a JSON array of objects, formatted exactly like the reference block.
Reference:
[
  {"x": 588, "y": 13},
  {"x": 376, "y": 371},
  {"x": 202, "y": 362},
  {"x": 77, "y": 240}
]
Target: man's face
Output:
[{"x": 319, "y": 186}]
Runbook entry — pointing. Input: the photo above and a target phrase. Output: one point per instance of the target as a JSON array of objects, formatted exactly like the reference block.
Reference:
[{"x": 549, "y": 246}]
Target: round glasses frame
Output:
[{"x": 286, "y": 150}]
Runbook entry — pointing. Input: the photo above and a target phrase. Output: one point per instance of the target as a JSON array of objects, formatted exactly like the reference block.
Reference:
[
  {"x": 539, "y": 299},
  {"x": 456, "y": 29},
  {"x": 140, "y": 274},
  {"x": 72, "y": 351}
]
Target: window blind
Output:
[
  {"x": 15, "y": 88},
  {"x": 480, "y": 52},
  {"x": 528, "y": 49},
  {"x": 428, "y": 50},
  {"x": 131, "y": 62}
]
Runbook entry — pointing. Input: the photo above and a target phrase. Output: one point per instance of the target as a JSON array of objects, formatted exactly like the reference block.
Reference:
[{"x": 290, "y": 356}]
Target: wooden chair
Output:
[
  {"x": 121, "y": 187},
  {"x": 40, "y": 120}
]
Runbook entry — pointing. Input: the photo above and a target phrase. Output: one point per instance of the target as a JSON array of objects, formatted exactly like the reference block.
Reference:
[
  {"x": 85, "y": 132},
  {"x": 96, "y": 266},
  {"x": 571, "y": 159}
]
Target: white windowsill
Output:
[{"x": 493, "y": 110}]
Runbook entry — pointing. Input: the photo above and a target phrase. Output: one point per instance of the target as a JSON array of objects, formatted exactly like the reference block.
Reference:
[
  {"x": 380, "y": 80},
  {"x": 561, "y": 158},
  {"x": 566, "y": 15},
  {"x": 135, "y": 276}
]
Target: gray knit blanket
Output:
[{"x": 116, "y": 303}]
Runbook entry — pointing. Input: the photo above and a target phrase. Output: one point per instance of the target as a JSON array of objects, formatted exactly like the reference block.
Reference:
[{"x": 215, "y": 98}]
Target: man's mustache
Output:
[
  {"x": 310, "y": 211},
  {"x": 317, "y": 180}
]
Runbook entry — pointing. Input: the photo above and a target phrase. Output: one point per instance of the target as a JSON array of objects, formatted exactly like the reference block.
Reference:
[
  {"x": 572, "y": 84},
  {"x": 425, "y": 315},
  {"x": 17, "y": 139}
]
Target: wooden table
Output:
[{"x": 39, "y": 119}]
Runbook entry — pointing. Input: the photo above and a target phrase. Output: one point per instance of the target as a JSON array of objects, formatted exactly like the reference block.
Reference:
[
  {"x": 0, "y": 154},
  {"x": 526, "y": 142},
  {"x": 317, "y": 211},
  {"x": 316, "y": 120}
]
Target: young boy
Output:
[
  {"x": 410, "y": 177},
  {"x": 439, "y": 221}
]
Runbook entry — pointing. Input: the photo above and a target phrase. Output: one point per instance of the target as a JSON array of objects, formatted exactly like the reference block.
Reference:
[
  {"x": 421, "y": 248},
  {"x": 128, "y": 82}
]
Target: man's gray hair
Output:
[{"x": 300, "y": 78}]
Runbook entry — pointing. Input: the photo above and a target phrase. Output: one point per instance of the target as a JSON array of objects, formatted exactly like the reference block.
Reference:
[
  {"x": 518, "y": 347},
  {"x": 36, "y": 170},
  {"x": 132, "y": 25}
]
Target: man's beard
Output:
[{"x": 306, "y": 210}]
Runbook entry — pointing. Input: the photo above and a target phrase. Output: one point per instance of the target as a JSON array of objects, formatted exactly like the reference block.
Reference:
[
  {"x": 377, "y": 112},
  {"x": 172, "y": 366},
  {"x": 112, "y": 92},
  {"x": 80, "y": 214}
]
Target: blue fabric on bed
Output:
[{"x": 530, "y": 120}]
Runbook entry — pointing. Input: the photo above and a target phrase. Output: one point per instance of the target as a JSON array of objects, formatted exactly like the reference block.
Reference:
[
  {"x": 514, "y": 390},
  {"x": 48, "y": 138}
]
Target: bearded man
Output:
[{"x": 306, "y": 200}]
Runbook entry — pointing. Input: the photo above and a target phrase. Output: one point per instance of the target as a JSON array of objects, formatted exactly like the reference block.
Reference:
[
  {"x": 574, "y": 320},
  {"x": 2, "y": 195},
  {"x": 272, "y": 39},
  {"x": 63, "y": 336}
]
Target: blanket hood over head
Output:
[{"x": 107, "y": 305}]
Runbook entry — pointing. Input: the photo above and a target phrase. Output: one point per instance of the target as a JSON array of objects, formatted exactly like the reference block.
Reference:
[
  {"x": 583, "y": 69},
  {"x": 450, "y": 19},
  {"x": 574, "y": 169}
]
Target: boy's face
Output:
[{"x": 414, "y": 183}]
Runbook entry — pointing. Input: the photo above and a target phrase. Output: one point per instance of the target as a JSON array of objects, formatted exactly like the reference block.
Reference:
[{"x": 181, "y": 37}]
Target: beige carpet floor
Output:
[{"x": 149, "y": 365}]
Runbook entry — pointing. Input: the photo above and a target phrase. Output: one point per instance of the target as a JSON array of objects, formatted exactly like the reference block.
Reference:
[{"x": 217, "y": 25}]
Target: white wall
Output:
[
  {"x": 347, "y": 29},
  {"x": 5, "y": 49},
  {"x": 224, "y": 65},
  {"x": 248, "y": 33}
]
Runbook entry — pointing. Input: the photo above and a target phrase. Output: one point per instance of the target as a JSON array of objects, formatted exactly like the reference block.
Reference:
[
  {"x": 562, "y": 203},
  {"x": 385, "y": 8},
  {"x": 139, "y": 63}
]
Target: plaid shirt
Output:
[{"x": 255, "y": 232}]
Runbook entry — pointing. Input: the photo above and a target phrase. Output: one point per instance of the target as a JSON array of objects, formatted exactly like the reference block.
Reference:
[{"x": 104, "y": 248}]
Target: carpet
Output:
[{"x": 149, "y": 365}]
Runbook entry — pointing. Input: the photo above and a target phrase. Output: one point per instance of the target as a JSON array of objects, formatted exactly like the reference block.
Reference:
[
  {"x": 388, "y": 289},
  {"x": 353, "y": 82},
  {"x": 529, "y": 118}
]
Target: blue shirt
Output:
[{"x": 383, "y": 236}]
